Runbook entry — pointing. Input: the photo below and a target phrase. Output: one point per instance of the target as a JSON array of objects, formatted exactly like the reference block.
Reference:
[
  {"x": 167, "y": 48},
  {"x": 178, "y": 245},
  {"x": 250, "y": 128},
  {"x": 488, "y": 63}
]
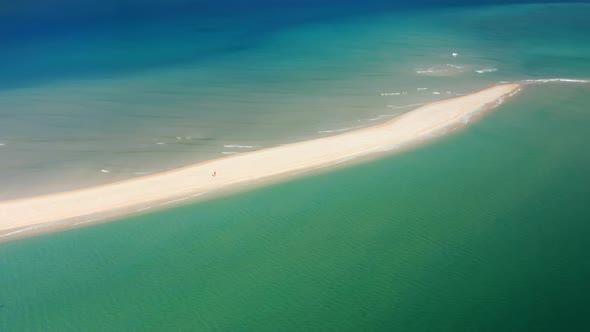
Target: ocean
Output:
[{"x": 484, "y": 229}]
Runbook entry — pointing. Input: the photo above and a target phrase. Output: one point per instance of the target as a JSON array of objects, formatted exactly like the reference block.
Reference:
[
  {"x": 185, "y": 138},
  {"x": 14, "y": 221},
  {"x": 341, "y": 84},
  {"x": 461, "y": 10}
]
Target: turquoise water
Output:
[
  {"x": 121, "y": 100},
  {"x": 483, "y": 230}
]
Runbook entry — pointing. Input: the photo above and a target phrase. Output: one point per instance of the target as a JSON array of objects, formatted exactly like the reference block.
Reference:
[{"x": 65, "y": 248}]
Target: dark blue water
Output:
[{"x": 31, "y": 26}]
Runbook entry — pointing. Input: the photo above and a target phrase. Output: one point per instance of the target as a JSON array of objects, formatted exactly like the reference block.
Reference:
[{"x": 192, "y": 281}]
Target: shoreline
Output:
[{"x": 100, "y": 203}]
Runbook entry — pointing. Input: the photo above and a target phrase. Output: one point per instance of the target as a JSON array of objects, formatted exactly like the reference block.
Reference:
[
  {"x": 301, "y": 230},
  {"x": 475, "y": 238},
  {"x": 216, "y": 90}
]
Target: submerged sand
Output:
[{"x": 180, "y": 184}]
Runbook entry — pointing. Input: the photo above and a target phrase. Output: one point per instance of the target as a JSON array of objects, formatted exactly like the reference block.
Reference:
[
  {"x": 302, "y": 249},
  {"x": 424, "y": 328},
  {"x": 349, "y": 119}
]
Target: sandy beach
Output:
[{"x": 181, "y": 184}]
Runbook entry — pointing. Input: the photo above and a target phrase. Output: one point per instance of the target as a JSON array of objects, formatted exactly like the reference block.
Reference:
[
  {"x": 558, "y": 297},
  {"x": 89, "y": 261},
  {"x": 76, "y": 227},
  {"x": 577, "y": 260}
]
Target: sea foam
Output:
[
  {"x": 338, "y": 130},
  {"x": 404, "y": 106},
  {"x": 486, "y": 70},
  {"x": 240, "y": 146},
  {"x": 552, "y": 80}
]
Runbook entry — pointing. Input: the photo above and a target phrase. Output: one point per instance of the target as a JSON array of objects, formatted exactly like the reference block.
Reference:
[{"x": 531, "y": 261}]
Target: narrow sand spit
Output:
[{"x": 183, "y": 183}]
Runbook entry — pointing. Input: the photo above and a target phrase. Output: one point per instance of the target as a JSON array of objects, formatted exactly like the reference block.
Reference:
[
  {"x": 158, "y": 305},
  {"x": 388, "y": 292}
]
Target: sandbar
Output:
[{"x": 183, "y": 183}]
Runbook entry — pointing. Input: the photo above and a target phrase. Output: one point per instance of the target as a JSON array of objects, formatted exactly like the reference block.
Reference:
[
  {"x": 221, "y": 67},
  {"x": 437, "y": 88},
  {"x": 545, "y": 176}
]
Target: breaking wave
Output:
[
  {"x": 338, "y": 130},
  {"x": 486, "y": 70},
  {"x": 563, "y": 80}
]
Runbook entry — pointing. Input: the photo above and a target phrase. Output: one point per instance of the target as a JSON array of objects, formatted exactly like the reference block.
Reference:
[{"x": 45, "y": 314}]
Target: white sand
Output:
[{"x": 180, "y": 184}]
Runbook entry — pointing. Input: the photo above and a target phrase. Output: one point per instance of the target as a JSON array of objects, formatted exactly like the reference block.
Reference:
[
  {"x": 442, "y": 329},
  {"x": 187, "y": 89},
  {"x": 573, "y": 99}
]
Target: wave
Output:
[
  {"x": 512, "y": 94},
  {"x": 454, "y": 66},
  {"x": 427, "y": 71},
  {"x": 105, "y": 170},
  {"x": 382, "y": 116},
  {"x": 85, "y": 222},
  {"x": 229, "y": 152},
  {"x": 26, "y": 229},
  {"x": 394, "y": 93},
  {"x": 405, "y": 106},
  {"x": 338, "y": 130},
  {"x": 161, "y": 204},
  {"x": 390, "y": 148},
  {"x": 421, "y": 89},
  {"x": 486, "y": 70},
  {"x": 564, "y": 80},
  {"x": 240, "y": 146},
  {"x": 2, "y": 144}
]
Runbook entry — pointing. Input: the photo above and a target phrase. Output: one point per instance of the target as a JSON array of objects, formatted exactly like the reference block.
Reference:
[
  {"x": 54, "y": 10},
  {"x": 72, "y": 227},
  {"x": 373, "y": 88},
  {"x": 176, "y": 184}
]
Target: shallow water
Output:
[
  {"x": 121, "y": 100},
  {"x": 483, "y": 230}
]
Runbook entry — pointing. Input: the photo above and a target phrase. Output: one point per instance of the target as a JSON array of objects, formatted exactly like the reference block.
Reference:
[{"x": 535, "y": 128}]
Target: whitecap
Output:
[
  {"x": 240, "y": 146},
  {"x": 427, "y": 71},
  {"x": 338, "y": 130},
  {"x": 389, "y": 148},
  {"x": 454, "y": 66},
  {"x": 565, "y": 80},
  {"x": 22, "y": 230},
  {"x": 421, "y": 89},
  {"x": 486, "y": 70},
  {"x": 436, "y": 93},
  {"x": 404, "y": 106},
  {"x": 514, "y": 92},
  {"x": 382, "y": 116},
  {"x": 160, "y": 143},
  {"x": 85, "y": 222},
  {"x": 105, "y": 170},
  {"x": 229, "y": 152},
  {"x": 174, "y": 201}
]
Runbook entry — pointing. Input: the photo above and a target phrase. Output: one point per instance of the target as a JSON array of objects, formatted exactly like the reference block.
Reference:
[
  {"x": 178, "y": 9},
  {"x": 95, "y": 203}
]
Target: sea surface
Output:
[
  {"x": 103, "y": 101},
  {"x": 485, "y": 229}
]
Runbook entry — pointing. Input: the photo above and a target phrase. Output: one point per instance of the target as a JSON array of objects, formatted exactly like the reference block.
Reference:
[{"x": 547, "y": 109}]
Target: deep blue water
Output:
[{"x": 28, "y": 24}]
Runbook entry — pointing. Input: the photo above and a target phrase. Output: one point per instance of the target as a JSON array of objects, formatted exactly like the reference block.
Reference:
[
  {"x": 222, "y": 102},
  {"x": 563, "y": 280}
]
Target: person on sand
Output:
[{"x": 214, "y": 173}]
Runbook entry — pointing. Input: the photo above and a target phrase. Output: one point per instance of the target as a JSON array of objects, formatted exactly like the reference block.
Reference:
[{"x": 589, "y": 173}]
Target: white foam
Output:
[
  {"x": 486, "y": 70},
  {"x": 427, "y": 71},
  {"x": 389, "y": 148},
  {"x": 404, "y": 106},
  {"x": 240, "y": 146},
  {"x": 174, "y": 201},
  {"x": 161, "y": 143},
  {"x": 454, "y": 54},
  {"x": 229, "y": 152},
  {"x": 2, "y": 144},
  {"x": 85, "y": 222},
  {"x": 454, "y": 66},
  {"x": 564, "y": 80},
  {"x": 514, "y": 92},
  {"x": 22, "y": 230},
  {"x": 421, "y": 89},
  {"x": 338, "y": 130},
  {"x": 144, "y": 209},
  {"x": 436, "y": 93},
  {"x": 391, "y": 93},
  {"x": 382, "y": 116},
  {"x": 105, "y": 171}
]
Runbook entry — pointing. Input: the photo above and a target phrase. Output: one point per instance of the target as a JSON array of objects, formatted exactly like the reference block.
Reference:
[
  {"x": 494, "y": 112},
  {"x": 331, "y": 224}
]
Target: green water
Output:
[
  {"x": 483, "y": 230},
  {"x": 212, "y": 87}
]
